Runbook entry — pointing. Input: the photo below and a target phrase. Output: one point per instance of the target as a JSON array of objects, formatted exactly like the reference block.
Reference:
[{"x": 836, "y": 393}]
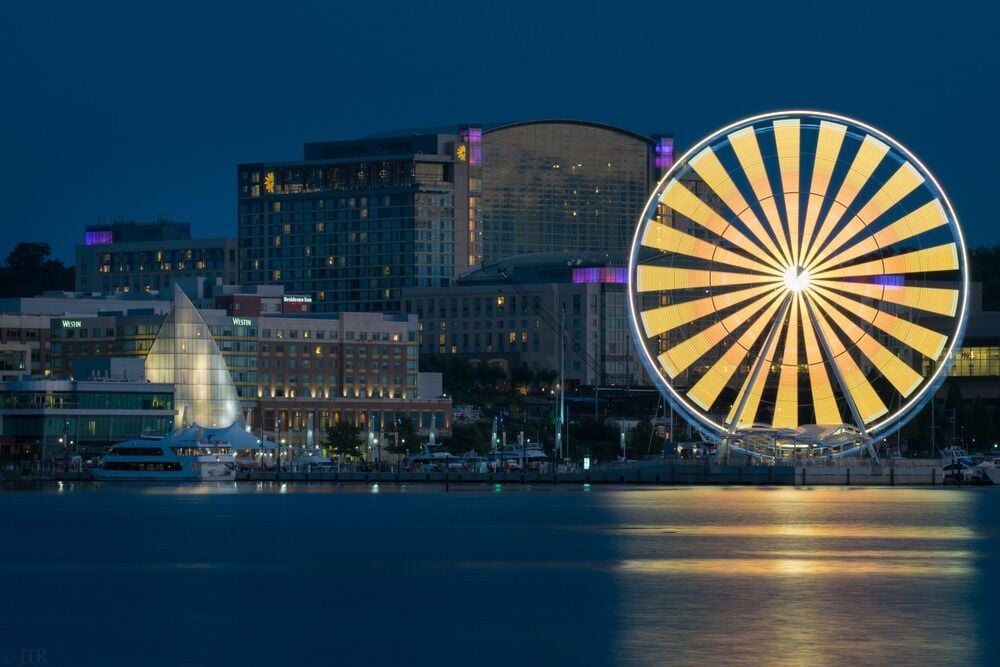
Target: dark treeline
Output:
[
  {"x": 985, "y": 264},
  {"x": 30, "y": 270}
]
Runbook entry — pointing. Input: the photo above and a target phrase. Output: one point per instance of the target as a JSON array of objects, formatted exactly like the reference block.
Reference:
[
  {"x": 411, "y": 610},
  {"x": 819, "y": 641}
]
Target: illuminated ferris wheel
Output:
[{"x": 798, "y": 268}]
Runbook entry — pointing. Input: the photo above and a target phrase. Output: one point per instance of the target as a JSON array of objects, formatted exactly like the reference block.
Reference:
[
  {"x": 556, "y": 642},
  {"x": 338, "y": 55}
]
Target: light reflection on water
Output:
[
  {"x": 874, "y": 576},
  {"x": 610, "y": 575}
]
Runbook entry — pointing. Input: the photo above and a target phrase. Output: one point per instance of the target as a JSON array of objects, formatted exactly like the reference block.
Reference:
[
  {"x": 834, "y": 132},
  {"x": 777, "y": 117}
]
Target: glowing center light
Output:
[{"x": 796, "y": 278}]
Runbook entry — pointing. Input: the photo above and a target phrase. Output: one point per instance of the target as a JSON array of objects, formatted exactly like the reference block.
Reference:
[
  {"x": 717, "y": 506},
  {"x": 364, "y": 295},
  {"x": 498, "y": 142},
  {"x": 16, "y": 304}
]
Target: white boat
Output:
[
  {"x": 186, "y": 455},
  {"x": 988, "y": 471},
  {"x": 513, "y": 457},
  {"x": 959, "y": 465},
  {"x": 434, "y": 458},
  {"x": 312, "y": 460}
]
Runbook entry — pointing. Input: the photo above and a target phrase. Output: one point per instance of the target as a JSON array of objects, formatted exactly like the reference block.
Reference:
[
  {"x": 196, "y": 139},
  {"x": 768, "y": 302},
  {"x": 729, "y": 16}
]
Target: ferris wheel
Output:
[{"x": 798, "y": 268}]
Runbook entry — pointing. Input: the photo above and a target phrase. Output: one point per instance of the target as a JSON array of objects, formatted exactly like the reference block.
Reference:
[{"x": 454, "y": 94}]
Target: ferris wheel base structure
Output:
[{"x": 798, "y": 286}]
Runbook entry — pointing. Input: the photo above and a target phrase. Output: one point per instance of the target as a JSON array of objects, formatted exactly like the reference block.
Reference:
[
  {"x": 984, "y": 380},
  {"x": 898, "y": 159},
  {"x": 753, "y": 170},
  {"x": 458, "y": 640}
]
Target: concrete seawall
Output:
[{"x": 901, "y": 472}]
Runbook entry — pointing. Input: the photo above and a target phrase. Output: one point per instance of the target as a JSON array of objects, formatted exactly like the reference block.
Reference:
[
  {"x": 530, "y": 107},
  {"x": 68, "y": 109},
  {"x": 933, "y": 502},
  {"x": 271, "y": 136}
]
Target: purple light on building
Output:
[
  {"x": 613, "y": 275},
  {"x": 664, "y": 153},
  {"x": 474, "y": 137},
  {"x": 98, "y": 238}
]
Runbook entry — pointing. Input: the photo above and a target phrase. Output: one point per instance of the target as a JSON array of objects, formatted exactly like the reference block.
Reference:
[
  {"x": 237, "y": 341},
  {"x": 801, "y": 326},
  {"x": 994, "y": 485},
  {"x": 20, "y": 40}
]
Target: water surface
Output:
[{"x": 278, "y": 574}]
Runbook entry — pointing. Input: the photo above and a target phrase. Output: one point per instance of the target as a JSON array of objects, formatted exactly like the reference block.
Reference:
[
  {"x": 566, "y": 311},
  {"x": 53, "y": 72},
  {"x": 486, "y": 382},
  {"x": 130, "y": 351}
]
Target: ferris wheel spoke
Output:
[
  {"x": 744, "y": 409},
  {"x": 939, "y": 300},
  {"x": 916, "y": 337},
  {"x": 668, "y": 278},
  {"x": 787, "y": 140},
  {"x": 902, "y": 183},
  {"x": 928, "y": 260},
  {"x": 868, "y": 158},
  {"x": 858, "y": 392},
  {"x": 678, "y": 198},
  {"x": 786, "y": 405},
  {"x": 929, "y": 216},
  {"x": 662, "y": 319},
  {"x": 900, "y": 375},
  {"x": 707, "y": 165},
  {"x": 710, "y": 385},
  {"x": 747, "y": 149},
  {"x": 828, "y": 145},
  {"x": 824, "y": 403},
  {"x": 678, "y": 358},
  {"x": 671, "y": 240}
]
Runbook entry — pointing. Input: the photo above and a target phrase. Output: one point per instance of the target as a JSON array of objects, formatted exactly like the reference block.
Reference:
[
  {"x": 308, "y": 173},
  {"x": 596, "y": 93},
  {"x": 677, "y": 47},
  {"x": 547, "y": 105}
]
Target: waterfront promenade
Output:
[{"x": 858, "y": 472}]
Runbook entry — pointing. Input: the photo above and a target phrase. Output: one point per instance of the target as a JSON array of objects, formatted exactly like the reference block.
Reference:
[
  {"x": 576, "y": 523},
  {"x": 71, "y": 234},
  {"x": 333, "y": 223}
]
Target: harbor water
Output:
[{"x": 271, "y": 573}]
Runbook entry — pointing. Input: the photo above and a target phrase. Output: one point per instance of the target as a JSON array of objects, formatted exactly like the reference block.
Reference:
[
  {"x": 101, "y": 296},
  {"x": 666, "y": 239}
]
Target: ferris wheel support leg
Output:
[
  {"x": 872, "y": 453},
  {"x": 722, "y": 452}
]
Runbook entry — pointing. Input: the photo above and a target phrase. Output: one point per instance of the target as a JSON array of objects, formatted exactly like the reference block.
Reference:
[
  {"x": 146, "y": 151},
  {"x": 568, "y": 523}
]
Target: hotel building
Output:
[{"x": 131, "y": 257}]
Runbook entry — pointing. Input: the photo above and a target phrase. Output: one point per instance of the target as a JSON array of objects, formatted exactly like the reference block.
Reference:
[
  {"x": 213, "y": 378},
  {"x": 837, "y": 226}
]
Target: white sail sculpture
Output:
[{"x": 185, "y": 354}]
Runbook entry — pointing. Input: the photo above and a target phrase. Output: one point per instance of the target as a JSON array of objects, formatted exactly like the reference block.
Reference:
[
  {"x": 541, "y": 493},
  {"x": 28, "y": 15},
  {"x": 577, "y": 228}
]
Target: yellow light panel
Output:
[
  {"x": 676, "y": 359},
  {"x": 666, "y": 318},
  {"x": 664, "y": 278},
  {"x": 929, "y": 216},
  {"x": 828, "y": 145},
  {"x": 706, "y": 164},
  {"x": 925, "y": 341},
  {"x": 786, "y": 406},
  {"x": 786, "y": 138},
  {"x": 710, "y": 385},
  {"x": 939, "y": 258},
  {"x": 824, "y": 404},
  {"x": 668, "y": 239},
  {"x": 865, "y": 398},
  {"x": 902, "y": 183},
  {"x": 744, "y": 143},
  {"x": 749, "y": 414},
  {"x": 867, "y": 159},
  {"x": 938, "y": 300},
  {"x": 678, "y": 198},
  {"x": 902, "y": 377}
]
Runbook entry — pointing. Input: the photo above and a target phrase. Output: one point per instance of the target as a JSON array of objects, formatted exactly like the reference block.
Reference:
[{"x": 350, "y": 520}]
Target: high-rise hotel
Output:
[{"x": 355, "y": 223}]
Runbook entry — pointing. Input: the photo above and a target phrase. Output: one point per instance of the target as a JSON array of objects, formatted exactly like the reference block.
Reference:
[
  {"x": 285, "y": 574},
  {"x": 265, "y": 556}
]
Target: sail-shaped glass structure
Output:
[{"x": 185, "y": 354}]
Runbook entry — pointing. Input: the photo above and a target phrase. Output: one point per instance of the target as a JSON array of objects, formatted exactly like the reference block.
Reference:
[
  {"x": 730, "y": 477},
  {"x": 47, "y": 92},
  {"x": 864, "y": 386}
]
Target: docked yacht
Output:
[
  {"x": 182, "y": 455},
  {"x": 987, "y": 471},
  {"x": 959, "y": 465},
  {"x": 433, "y": 458},
  {"x": 514, "y": 457}
]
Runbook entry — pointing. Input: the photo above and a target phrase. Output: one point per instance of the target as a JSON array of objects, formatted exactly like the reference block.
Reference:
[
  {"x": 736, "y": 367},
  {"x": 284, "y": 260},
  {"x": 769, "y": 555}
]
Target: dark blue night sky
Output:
[{"x": 123, "y": 110}]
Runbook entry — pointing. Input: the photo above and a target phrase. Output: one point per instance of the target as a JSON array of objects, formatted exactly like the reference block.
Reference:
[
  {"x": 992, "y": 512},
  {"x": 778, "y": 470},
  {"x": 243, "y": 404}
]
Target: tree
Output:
[
  {"x": 404, "y": 437},
  {"x": 466, "y": 437},
  {"x": 642, "y": 440},
  {"x": 28, "y": 271},
  {"x": 344, "y": 439}
]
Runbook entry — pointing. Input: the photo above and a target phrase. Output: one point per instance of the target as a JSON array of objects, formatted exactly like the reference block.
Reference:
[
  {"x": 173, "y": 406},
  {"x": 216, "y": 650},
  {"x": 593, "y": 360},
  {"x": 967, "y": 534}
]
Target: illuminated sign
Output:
[
  {"x": 242, "y": 322},
  {"x": 269, "y": 181},
  {"x": 72, "y": 324},
  {"x": 461, "y": 152},
  {"x": 289, "y": 298}
]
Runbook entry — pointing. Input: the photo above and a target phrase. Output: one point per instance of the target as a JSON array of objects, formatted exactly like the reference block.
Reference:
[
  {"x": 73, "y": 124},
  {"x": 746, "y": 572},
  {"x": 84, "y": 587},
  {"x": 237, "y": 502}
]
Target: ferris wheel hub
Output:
[{"x": 796, "y": 278}]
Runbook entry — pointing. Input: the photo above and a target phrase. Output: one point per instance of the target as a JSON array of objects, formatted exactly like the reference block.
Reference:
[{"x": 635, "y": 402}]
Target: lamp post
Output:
[{"x": 277, "y": 447}]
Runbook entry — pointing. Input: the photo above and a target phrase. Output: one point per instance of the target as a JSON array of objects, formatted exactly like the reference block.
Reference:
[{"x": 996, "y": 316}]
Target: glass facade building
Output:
[
  {"x": 546, "y": 186},
  {"x": 81, "y": 416}
]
